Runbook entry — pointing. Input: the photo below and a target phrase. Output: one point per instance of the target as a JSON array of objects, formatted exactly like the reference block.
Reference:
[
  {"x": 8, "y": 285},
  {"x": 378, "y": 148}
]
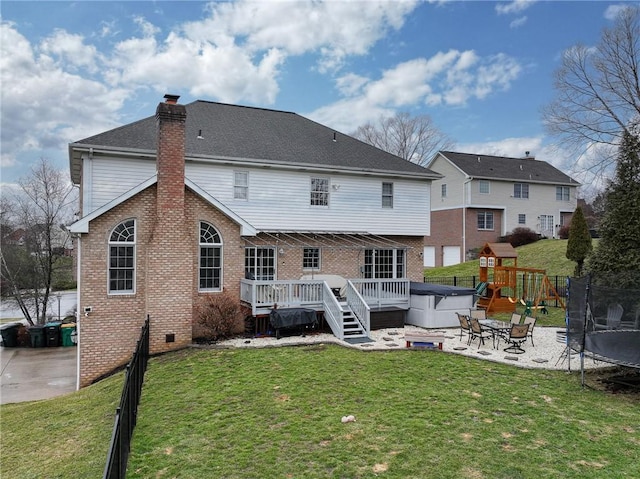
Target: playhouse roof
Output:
[{"x": 499, "y": 250}]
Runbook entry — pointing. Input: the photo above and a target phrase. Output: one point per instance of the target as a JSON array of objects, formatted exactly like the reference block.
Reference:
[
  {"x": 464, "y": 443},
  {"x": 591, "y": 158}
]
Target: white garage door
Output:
[
  {"x": 450, "y": 255},
  {"x": 429, "y": 256}
]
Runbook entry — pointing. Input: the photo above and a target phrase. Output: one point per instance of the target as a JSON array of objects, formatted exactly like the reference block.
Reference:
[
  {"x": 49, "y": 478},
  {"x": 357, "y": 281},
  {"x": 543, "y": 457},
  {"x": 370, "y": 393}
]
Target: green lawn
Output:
[{"x": 276, "y": 413}]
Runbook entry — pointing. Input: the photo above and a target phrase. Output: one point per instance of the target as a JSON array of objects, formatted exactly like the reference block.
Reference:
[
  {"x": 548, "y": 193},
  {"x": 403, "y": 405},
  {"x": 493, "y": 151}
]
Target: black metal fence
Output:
[
  {"x": 558, "y": 282},
  {"x": 126, "y": 413}
]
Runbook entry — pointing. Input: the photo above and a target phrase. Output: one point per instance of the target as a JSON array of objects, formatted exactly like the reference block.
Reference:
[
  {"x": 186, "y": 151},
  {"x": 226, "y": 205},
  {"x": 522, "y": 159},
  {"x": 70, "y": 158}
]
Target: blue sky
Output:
[{"x": 481, "y": 70}]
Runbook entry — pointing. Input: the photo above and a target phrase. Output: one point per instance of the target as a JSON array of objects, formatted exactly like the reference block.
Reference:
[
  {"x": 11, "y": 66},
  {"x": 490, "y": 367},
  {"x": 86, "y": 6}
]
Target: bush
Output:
[
  {"x": 563, "y": 232},
  {"x": 219, "y": 316},
  {"x": 520, "y": 237}
]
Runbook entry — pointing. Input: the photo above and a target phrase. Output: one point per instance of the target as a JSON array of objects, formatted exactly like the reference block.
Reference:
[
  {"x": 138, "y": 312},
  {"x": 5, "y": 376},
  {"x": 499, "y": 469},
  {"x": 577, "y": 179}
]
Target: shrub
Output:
[
  {"x": 521, "y": 236},
  {"x": 563, "y": 232},
  {"x": 219, "y": 316}
]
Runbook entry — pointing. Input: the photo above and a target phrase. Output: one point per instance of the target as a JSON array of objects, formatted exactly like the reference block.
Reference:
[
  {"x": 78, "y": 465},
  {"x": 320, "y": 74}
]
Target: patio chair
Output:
[
  {"x": 477, "y": 331},
  {"x": 517, "y": 335},
  {"x": 478, "y": 313},
  {"x": 515, "y": 318},
  {"x": 531, "y": 322},
  {"x": 613, "y": 319},
  {"x": 464, "y": 326}
]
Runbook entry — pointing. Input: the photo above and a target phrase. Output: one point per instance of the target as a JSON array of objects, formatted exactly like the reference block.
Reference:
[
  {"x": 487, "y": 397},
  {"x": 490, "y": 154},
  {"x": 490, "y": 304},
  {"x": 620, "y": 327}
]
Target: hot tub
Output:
[{"x": 435, "y": 305}]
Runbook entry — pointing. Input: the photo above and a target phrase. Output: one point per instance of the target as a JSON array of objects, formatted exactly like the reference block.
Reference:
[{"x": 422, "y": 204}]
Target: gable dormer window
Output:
[
  {"x": 319, "y": 191},
  {"x": 521, "y": 190}
]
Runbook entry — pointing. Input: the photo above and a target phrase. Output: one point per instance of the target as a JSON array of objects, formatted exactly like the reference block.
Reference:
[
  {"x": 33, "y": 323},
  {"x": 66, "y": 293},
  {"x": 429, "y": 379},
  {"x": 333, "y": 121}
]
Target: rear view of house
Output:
[
  {"x": 264, "y": 204},
  {"x": 481, "y": 198}
]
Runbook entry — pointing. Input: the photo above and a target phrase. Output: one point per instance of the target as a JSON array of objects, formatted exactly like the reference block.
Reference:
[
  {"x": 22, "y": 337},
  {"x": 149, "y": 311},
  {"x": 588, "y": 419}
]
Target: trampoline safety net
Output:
[{"x": 604, "y": 322}]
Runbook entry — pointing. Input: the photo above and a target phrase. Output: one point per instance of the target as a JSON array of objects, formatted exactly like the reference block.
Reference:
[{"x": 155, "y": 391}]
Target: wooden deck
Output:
[{"x": 386, "y": 296}]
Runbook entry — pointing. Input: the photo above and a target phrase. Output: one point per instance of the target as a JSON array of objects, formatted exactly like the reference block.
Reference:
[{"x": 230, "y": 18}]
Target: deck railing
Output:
[
  {"x": 359, "y": 307},
  {"x": 384, "y": 292}
]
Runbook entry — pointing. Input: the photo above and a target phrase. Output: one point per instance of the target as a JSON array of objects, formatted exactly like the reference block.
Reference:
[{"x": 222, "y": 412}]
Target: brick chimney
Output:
[
  {"x": 169, "y": 266},
  {"x": 171, "y": 119}
]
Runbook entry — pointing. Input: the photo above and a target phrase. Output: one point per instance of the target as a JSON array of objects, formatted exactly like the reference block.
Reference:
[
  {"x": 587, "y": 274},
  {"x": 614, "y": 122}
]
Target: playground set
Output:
[{"x": 500, "y": 289}]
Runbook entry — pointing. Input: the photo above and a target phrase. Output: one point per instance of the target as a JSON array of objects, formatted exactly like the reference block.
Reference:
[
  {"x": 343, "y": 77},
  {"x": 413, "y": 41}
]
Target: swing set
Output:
[{"x": 503, "y": 291}]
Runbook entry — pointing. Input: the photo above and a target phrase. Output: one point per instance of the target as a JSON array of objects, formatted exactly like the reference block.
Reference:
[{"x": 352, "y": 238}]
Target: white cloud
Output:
[
  {"x": 612, "y": 11},
  {"x": 514, "y": 7},
  {"x": 450, "y": 78},
  {"x": 518, "y": 22},
  {"x": 44, "y": 106}
]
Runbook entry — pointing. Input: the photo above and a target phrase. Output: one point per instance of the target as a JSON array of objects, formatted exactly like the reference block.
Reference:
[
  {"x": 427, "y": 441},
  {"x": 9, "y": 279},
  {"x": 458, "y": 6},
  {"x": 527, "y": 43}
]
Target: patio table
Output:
[{"x": 496, "y": 327}]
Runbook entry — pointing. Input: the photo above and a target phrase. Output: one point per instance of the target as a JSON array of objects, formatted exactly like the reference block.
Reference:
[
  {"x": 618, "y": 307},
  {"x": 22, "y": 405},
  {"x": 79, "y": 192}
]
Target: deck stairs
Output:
[{"x": 350, "y": 324}]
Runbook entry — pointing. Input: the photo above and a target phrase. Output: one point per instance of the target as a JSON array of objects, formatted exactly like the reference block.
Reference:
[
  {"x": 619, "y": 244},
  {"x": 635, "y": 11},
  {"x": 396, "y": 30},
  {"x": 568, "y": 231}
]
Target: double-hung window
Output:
[
  {"x": 521, "y": 190},
  {"x": 483, "y": 187},
  {"x": 485, "y": 220},
  {"x": 210, "y": 270},
  {"x": 122, "y": 258},
  {"x": 387, "y": 195},
  {"x": 522, "y": 219},
  {"x": 260, "y": 263},
  {"x": 384, "y": 263},
  {"x": 319, "y": 191},
  {"x": 240, "y": 185},
  {"x": 311, "y": 259},
  {"x": 562, "y": 193},
  {"x": 443, "y": 190}
]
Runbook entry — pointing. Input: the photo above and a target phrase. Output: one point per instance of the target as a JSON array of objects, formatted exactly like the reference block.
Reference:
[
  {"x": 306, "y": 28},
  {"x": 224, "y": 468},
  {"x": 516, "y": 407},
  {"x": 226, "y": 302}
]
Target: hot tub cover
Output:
[
  {"x": 430, "y": 289},
  {"x": 290, "y": 317}
]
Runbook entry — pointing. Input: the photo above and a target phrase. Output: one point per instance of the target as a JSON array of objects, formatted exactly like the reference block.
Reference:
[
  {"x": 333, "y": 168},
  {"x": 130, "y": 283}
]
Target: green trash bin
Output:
[
  {"x": 36, "y": 335},
  {"x": 66, "y": 331},
  {"x": 10, "y": 335}
]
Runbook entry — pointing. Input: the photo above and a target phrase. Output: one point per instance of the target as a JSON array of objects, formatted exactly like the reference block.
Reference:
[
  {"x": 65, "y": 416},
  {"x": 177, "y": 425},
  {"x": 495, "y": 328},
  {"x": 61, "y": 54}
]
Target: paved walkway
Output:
[{"x": 29, "y": 374}]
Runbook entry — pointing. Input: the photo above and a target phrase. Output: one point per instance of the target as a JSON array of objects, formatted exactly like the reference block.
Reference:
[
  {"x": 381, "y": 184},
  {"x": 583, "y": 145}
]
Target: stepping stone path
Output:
[
  {"x": 540, "y": 360},
  {"x": 511, "y": 358},
  {"x": 484, "y": 353}
]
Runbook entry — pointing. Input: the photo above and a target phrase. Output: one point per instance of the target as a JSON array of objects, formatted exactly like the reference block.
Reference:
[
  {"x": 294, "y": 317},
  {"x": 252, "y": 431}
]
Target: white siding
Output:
[
  {"x": 112, "y": 177},
  {"x": 279, "y": 199}
]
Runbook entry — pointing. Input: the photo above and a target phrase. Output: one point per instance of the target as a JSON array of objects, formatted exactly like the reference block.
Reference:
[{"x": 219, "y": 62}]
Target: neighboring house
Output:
[
  {"x": 209, "y": 196},
  {"x": 481, "y": 198}
]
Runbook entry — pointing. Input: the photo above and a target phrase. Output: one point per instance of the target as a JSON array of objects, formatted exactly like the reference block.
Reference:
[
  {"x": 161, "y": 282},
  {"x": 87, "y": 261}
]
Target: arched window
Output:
[
  {"x": 210, "y": 271},
  {"x": 122, "y": 258}
]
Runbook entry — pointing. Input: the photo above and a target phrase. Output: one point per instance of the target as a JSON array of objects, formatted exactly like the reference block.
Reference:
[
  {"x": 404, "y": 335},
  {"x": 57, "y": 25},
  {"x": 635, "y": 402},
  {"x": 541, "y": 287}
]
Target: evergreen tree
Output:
[
  {"x": 579, "y": 245},
  {"x": 617, "y": 256}
]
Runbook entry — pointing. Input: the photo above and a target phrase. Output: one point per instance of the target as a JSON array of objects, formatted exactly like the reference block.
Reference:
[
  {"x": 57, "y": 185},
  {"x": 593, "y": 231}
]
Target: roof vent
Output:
[
  {"x": 334, "y": 137},
  {"x": 200, "y": 137},
  {"x": 478, "y": 159}
]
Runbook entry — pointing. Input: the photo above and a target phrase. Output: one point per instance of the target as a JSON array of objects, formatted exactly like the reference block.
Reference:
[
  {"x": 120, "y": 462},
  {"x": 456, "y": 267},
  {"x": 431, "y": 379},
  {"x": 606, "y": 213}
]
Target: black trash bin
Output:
[
  {"x": 36, "y": 333},
  {"x": 52, "y": 334},
  {"x": 10, "y": 335}
]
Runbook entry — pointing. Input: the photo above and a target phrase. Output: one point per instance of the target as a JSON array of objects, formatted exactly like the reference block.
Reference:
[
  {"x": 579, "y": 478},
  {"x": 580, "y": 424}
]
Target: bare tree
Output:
[
  {"x": 415, "y": 139},
  {"x": 598, "y": 92},
  {"x": 36, "y": 214}
]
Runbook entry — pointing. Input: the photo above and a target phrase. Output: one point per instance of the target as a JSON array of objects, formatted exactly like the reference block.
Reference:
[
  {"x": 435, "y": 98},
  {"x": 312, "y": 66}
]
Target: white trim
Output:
[
  {"x": 246, "y": 229},
  {"x": 82, "y": 225}
]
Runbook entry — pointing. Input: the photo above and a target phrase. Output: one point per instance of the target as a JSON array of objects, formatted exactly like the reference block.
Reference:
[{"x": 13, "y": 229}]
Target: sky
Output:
[{"x": 481, "y": 70}]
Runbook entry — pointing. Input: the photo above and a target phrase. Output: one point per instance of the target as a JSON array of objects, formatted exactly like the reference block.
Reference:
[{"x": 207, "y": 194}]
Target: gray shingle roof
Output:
[
  {"x": 248, "y": 133},
  {"x": 505, "y": 168}
]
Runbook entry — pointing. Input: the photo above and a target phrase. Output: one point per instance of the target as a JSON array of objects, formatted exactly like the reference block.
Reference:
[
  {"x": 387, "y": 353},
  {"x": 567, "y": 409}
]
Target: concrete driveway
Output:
[{"x": 29, "y": 374}]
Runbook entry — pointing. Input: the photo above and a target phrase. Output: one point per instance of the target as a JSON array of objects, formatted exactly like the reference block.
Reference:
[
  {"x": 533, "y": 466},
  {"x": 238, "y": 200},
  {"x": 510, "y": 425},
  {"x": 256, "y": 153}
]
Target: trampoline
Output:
[
  {"x": 617, "y": 347},
  {"x": 588, "y": 305}
]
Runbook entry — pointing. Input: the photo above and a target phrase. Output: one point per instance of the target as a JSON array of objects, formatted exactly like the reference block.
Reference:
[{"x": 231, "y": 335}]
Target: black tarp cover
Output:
[
  {"x": 291, "y": 317},
  {"x": 430, "y": 289}
]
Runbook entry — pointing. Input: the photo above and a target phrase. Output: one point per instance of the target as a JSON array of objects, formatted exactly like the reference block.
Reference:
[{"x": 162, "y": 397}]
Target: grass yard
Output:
[{"x": 276, "y": 413}]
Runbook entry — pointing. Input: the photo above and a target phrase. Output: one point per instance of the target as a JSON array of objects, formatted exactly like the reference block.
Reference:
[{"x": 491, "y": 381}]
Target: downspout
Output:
[
  {"x": 464, "y": 217},
  {"x": 78, "y": 309}
]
